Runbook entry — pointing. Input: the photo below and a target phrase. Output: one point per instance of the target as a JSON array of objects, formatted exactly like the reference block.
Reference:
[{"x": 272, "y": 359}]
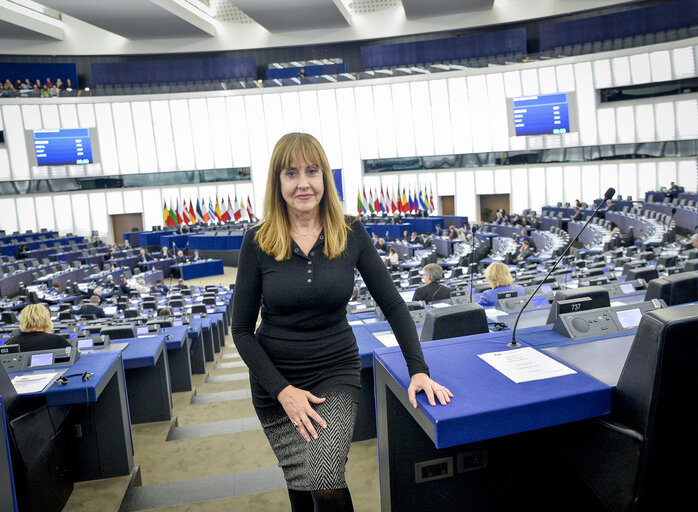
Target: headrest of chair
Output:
[
  {"x": 675, "y": 289},
  {"x": 460, "y": 320},
  {"x": 599, "y": 299},
  {"x": 646, "y": 273},
  {"x": 691, "y": 265},
  {"x": 117, "y": 332}
]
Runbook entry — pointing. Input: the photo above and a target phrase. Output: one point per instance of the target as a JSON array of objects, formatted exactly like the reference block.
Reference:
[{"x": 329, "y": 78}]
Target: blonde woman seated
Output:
[
  {"x": 393, "y": 257},
  {"x": 499, "y": 277},
  {"x": 36, "y": 326}
]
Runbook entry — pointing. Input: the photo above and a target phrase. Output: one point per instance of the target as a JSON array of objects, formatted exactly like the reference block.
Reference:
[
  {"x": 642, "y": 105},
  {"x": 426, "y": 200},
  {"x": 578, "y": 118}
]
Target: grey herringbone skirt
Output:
[{"x": 319, "y": 464}]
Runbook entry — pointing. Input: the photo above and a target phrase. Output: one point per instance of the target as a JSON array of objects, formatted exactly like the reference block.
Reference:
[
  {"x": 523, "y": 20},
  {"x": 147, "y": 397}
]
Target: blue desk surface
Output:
[
  {"x": 77, "y": 391},
  {"x": 486, "y": 404},
  {"x": 142, "y": 352},
  {"x": 177, "y": 336}
]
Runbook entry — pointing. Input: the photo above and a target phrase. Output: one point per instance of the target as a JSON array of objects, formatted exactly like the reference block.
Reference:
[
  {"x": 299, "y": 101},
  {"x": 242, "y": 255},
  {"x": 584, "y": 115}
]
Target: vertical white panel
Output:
[
  {"x": 565, "y": 78},
  {"x": 607, "y": 125},
  {"x": 627, "y": 181},
  {"x": 547, "y": 80},
  {"x": 646, "y": 177},
  {"x": 125, "y": 139},
  {"x": 81, "y": 215},
  {"x": 484, "y": 181},
  {"x": 683, "y": 63},
  {"x": 145, "y": 141},
  {"x": 625, "y": 123},
  {"x": 687, "y": 174},
  {"x": 273, "y": 118},
  {"x": 644, "y": 122},
  {"x": 220, "y": 141},
  {"x": 640, "y": 70},
  {"x": 460, "y": 115},
  {"x": 63, "y": 212},
  {"x": 479, "y": 111},
  {"x": 181, "y": 131},
  {"x": 43, "y": 205},
  {"x": 553, "y": 184},
  {"x": 660, "y": 63},
  {"x": 590, "y": 183},
  {"x": 441, "y": 116},
  {"x": 499, "y": 127},
  {"x": 107, "y": 141},
  {"x": 602, "y": 74},
  {"x": 162, "y": 131},
  {"x": 687, "y": 118},
  {"x": 572, "y": 176},
  {"x": 666, "y": 173},
  {"x": 201, "y": 133},
  {"x": 536, "y": 175},
  {"x": 385, "y": 122},
  {"x": 69, "y": 116},
  {"x": 402, "y": 112},
  {"x": 621, "y": 70},
  {"x": 586, "y": 104},
  {"x": 466, "y": 199},
  {"x": 349, "y": 139},
  {"x": 15, "y": 142},
  {"x": 49, "y": 116},
  {"x": 310, "y": 114},
  {"x": 502, "y": 181},
  {"x": 512, "y": 84},
  {"x": 519, "y": 189},
  {"x": 5, "y": 173},
  {"x": 31, "y": 114},
  {"x": 9, "y": 221},
  {"x": 99, "y": 216},
  {"x": 153, "y": 208},
  {"x": 529, "y": 82},
  {"x": 115, "y": 202},
  {"x": 132, "y": 201},
  {"x": 86, "y": 115},
  {"x": 291, "y": 109},
  {"x": 330, "y": 127},
  {"x": 421, "y": 113},
  {"x": 259, "y": 156},
  {"x": 666, "y": 123},
  {"x": 445, "y": 183},
  {"x": 608, "y": 177},
  {"x": 26, "y": 213},
  {"x": 237, "y": 128}
]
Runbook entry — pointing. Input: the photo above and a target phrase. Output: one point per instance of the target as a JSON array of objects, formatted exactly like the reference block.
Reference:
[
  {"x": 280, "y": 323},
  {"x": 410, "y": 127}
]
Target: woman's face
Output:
[{"x": 302, "y": 186}]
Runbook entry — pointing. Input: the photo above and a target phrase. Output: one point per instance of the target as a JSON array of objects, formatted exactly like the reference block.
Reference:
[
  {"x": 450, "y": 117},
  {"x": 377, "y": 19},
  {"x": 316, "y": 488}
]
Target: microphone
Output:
[
  {"x": 608, "y": 195},
  {"x": 472, "y": 260},
  {"x": 661, "y": 247}
]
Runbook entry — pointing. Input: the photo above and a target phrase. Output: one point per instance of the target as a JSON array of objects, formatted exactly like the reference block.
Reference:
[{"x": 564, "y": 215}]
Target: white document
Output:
[
  {"x": 33, "y": 382},
  {"x": 494, "y": 313},
  {"x": 356, "y": 322},
  {"x": 387, "y": 338},
  {"x": 525, "y": 365}
]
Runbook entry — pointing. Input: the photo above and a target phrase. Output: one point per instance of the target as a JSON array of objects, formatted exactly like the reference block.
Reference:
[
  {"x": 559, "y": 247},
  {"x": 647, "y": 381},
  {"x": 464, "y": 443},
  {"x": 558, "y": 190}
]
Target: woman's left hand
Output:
[{"x": 422, "y": 382}]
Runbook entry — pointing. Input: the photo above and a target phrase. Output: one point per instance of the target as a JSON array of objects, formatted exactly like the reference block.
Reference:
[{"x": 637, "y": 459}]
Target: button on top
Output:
[
  {"x": 310, "y": 280},
  {"x": 310, "y": 263},
  {"x": 312, "y": 253},
  {"x": 295, "y": 250}
]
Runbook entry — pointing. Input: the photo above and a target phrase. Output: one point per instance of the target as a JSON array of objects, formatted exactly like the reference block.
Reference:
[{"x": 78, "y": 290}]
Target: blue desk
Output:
[
  {"x": 218, "y": 242},
  {"x": 178, "y": 344},
  {"x": 392, "y": 231},
  {"x": 196, "y": 350},
  {"x": 200, "y": 269}
]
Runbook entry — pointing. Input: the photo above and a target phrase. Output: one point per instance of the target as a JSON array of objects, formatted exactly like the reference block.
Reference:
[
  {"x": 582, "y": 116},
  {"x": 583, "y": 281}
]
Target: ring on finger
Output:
[{"x": 295, "y": 425}]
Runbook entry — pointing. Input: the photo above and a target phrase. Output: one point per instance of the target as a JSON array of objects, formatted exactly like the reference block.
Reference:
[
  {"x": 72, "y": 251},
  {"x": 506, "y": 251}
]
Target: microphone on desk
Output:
[
  {"x": 608, "y": 195},
  {"x": 661, "y": 247},
  {"x": 472, "y": 260}
]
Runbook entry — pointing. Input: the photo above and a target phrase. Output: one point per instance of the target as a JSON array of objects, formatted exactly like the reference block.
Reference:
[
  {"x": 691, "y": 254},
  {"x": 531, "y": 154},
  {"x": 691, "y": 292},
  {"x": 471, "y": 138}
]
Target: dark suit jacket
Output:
[
  {"x": 30, "y": 341},
  {"x": 525, "y": 253},
  {"x": 431, "y": 292},
  {"x": 89, "y": 309},
  {"x": 147, "y": 257},
  {"x": 180, "y": 259}
]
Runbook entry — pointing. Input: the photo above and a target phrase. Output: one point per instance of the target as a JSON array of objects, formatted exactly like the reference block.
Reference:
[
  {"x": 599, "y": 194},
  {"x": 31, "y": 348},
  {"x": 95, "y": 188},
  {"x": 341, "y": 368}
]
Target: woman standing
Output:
[{"x": 299, "y": 262}]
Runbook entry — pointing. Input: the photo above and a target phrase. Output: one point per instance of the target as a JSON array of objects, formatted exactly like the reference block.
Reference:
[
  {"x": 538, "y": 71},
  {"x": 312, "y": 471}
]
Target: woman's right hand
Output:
[{"x": 296, "y": 402}]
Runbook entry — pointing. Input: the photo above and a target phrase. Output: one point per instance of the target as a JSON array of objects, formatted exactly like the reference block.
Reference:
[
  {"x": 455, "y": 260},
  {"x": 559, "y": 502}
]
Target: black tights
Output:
[{"x": 336, "y": 500}]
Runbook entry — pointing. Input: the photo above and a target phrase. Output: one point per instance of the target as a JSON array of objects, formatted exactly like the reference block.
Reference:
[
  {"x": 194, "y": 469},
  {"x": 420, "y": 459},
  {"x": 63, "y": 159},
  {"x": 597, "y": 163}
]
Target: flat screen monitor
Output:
[
  {"x": 542, "y": 114},
  {"x": 546, "y": 288},
  {"x": 45, "y": 359},
  {"x": 73, "y": 336},
  {"x": 63, "y": 147},
  {"x": 142, "y": 330},
  {"x": 407, "y": 296},
  {"x": 109, "y": 310},
  {"x": 197, "y": 316},
  {"x": 629, "y": 317},
  {"x": 627, "y": 288},
  {"x": 177, "y": 322},
  {"x": 86, "y": 343},
  {"x": 539, "y": 302}
]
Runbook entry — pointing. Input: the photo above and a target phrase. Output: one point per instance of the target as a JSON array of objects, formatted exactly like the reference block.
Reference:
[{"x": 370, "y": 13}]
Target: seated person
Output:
[
  {"x": 109, "y": 282},
  {"x": 165, "y": 313},
  {"x": 499, "y": 278},
  {"x": 374, "y": 238},
  {"x": 673, "y": 191},
  {"x": 127, "y": 245},
  {"x": 414, "y": 239},
  {"x": 98, "y": 293},
  {"x": 405, "y": 236},
  {"x": 36, "y": 326},
  {"x": 577, "y": 215},
  {"x": 56, "y": 287},
  {"x": 144, "y": 257},
  {"x": 437, "y": 230},
  {"x": 516, "y": 221},
  {"x": 141, "y": 287},
  {"x": 452, "y": 233},
  {"x": 524, "y": 251},
  {"x": 181, "y": 285},
  {"x": 615, "y": 230},
  {"x": 393, "y": 257},
  {"x": 196, "y": 256},
  {"x": 164, "y": 254},
  {"x": 498, "y": 218},
  {"x": 610, "y": 207},
  {"x": 92, "y": 308},
  {"x": 432, "y": 289},
  {"x": 97, "y": 242},
  {"x": 426, "y": 243},
  {"x": 533, "y": 222},
  {"x": 160, "y": 287},
  {"x": 181, "y": 258},
  {"x": 381, "y": 245},
  {"x": 123, "y": 286}
]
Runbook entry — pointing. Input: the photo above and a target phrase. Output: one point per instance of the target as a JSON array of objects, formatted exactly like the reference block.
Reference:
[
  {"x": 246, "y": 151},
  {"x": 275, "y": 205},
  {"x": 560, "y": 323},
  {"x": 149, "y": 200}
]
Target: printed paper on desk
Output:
[
  {"x": 32, "y": 382},
  {"x": 525, "y": 365},
  {"x": 387, "y": 338},
  {"x": 356, "y": 322}
]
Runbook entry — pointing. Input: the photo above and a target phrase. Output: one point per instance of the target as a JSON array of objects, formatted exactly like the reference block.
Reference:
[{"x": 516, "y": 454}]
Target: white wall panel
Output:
[
  {"x": 43, "y": 206},
  {"x": 590, "y": 183},
  {"x": 586, "y": 103},
  {"x": 646, "y": 177},
  {"x": 5, "y": 173},
  {"x": 536, "y": 175},
  {"x": 441, "y": 117},
  {"x": 86, "y": 115},
  {"x": 310, "y": 114},
  {"x": 666, "y": 173},
  {"x": 484, "y": 181},
  {"x": 201, "y": 133},
  {"x": 553, "y": 184},
  {"x": 460, "y": 115},
  {"x": 565, "y": 78},
  {"x": 683, "y": 63},
  {"x": 512, "y": 84},
  {"x": 687, "y": 118},
  {"x": 366, "y": 120},
  {"x": 602, "y": 74},
  {"x": 529, "y": 82},
  {"x": 125, "y": 139},
  {"x": 666, "y": 122},
  {"x": 421, "y": 113},
  {"x": 608, "y": 177},
  {"x": 502, "y": 181},
  {"x": 115, "y": 202},
  {"x": 259, "y": 155},
  {"x": 445, "y": 183},
  {"x": 153, "y": 208},
  {"x": 107, "y": 140},
  {"x": 644, "y": 123},
  {"x": 499, "y": 128},
  {"x": 99, "y": 216},
  {"x": 627, "y": 181},
  {"x": 237, "y": 128},
  {"x": 402, "y": 112},
  {"x": 273, "y": 119},
  {"x": 385, "y": 122},
  {"x": 26, "y": 213},
  {"x": 69, "y": 115},
  {"x": 572, "y": 176},
  {"x": 687, "y": 174},
  {"x": 660, "y": 63},
  {"x": 15, "y": 142},
  {"x": 621, "y": 71},
  {"x": 466, "y": 199},
  {"x": 145, "y": 140},
  {"x": 329, "y": 122},
  {"x": 519, "y": 200},
  {"x": 547, "y": 80},
  {"x": 132, "y": 201},
  {"x": 640, "y": 69},
  {"x": 81, "y": 215},
  {"x": 291, "y": 108},
  {"x": 349, "y": 139},
  {"x": 606, "y": 118},
  {"x": 181, "y": 132},
  {"x": 9, "y": 221},
  {"x": 479, "y": 112},
  {"x": 49, "y": 117},
  {"x": 162, "y": 131},
  {"x": 625, "y": 123},
  {"x": 31, "y": 114},
  {"x": 63, "y": 212}
]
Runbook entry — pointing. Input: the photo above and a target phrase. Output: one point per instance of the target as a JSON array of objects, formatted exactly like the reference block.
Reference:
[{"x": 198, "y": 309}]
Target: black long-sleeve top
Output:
[
  {"x": 38, "y": 340},
  {"x": 303, "y": 303}
]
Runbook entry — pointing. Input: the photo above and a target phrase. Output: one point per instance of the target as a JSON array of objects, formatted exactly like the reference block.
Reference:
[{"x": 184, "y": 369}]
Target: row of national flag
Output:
[
  {"x": 203, "y": 213},
  {"x": 376, "y": 202}
]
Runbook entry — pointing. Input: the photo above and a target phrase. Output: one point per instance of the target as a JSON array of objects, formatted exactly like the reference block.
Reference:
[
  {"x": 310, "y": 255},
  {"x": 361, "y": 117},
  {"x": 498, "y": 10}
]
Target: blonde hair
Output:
[
  {"x": 35, "y": 317},
  {"x": 497, "y": 274},
  {"x": 274, "y": 235}
]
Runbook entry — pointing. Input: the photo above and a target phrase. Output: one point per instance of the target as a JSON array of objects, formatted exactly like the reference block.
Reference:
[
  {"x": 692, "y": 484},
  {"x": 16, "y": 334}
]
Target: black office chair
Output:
[
  {"x": 66, "y": 315},
  {"x": 691, "y": 265},
  {"x": 198, "y": 308},
  {"x": 675, "y": 289},
  {"x": 118, "y": 332},
  {"x": 646, "y": 273},
  {"x": 641, "y": 457},
  {"x": 131, "y": 313},
  {"x": 209, "y": 301},
  {"x": 176, "y": 303},
  {"x": 9, "y": 317},
  {"x": 461, "y": 320}
]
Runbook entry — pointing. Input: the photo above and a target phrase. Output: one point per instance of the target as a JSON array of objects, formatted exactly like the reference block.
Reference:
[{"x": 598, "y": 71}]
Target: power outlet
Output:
[
  {"x": 471, "y": 461},
  {"x": 430, "y": 470}
]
